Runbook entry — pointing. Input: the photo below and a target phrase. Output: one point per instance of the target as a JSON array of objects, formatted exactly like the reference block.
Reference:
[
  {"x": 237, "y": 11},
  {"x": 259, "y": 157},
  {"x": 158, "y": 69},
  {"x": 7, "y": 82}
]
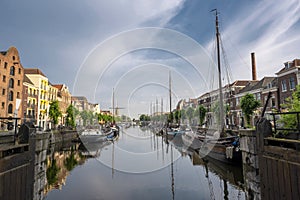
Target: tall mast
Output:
[
  {"x": 113, "y": 105},
  {"x": 170, "y": 92},
  {"x": 219, "y": 71}
]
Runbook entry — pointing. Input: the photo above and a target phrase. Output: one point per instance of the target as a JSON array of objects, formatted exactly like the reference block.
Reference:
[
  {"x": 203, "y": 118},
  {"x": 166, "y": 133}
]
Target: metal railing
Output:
[{"x": 280, "y": 126}]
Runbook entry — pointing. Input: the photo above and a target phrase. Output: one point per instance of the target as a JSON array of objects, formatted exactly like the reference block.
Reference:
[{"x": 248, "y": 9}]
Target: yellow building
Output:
[{"x": 40, "y": 81}]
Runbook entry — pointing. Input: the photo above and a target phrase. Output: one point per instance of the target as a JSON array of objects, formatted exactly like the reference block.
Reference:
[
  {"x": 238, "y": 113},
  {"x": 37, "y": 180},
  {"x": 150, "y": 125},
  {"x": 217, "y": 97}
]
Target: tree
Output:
[
  {"x": 72, "y": 112},
  {"x": 292, "y": 105},
  {"x": 54, "y": 112},
  {"x": 177, "y": 116},
  {"x": 84, "y": 116},
  {"x": 200, "y": 113},
  {"x": 189, "y": 113},
  {"x": 248, "y": 105}
]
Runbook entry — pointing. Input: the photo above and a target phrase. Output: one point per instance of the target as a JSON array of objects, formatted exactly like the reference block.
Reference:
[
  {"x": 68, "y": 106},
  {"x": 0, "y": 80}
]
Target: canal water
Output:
[{"x": 139, "y": 165}]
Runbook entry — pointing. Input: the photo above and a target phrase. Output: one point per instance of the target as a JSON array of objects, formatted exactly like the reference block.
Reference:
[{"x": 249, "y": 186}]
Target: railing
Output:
[
  {"x": 11, "y": 124},
  {"x": 280, "y": 127}
]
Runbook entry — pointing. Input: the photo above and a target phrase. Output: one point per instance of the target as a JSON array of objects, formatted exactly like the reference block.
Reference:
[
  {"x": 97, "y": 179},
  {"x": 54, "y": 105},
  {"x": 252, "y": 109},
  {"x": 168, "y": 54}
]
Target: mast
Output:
[
  {"x": 221, "y": 107},
  {"x": 170, "y": 93},
  {"x": 113, "y": 102}
]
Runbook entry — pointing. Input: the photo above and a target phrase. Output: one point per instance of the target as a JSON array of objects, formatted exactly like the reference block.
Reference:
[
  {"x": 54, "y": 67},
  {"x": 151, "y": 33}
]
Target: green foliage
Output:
[
  {"x": 248, "y": 105},
  {"x": 86, "y": 116},
  {"x": 190, "y": 113},
  {"x": 105, "y": 118},
  {"x": 200, "y": 113},
  {"x": 177, "y": 116},
  {"x": 292, "y": 105},
  {"x": 54, "y": 111},
  {"x": 72, "y": 112},
  {"x": 70, "y": 162},
  {"x": 144, "y": 117},
  {"x": 52, "y": 172}
]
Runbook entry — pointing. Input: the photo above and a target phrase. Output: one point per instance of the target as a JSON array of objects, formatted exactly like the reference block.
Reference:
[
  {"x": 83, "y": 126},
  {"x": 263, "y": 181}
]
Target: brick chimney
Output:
[{"x": 254, "y": 78}]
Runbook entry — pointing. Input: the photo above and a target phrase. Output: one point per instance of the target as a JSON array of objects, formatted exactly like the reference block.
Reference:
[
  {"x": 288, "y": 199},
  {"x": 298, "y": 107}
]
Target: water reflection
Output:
[{"x": 139, "y": 165}]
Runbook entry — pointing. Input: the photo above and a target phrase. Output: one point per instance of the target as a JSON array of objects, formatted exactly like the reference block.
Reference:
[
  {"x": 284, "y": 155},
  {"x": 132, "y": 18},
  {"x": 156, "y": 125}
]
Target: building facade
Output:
[
  {"x": 64, "y": 100},
  {"x": 30, "y": 100},
  {"x": 288, "y": 78},
  {"x": 11, "y": 84},
  {"x": 40, "y": 81}
]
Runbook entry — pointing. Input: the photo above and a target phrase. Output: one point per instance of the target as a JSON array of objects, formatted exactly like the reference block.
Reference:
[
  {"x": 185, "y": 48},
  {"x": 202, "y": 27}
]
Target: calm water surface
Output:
[{"x": 140, "y": 165}]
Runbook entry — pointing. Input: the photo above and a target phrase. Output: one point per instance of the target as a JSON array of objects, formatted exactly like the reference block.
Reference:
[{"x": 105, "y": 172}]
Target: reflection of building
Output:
[
  {"x": 64, "y": 161},
  {"x": 11, "y": 83}
]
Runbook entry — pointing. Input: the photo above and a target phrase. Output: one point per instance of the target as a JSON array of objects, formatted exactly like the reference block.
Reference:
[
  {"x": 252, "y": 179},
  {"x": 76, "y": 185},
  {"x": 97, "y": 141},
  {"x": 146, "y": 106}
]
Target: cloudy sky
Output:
[{"x": 131, "y": 45}]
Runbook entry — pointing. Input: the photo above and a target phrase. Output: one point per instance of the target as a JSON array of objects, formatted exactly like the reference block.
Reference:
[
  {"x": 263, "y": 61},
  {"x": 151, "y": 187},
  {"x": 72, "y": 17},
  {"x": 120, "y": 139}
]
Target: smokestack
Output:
[{"x": 253, "y": 66}]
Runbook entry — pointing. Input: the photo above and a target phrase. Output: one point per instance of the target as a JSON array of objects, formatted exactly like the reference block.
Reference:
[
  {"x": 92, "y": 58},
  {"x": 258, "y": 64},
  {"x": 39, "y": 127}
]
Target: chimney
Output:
[{"x": 253, "y": 66}]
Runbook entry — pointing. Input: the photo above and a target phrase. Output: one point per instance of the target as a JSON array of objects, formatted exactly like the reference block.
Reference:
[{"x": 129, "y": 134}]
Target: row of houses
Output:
[
  {"x": 281, "y": 86},
  {"x": 26, "y": 93}
]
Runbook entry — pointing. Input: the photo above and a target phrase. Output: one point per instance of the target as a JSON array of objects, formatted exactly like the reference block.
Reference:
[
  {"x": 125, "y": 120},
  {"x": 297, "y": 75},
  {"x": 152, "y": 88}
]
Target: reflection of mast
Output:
[
  {"x": 210, "y": 186},
  {"x": 172, "y": 174},
  {"x": 225, "y": 190},
  {"x": 113, "y": 160}
]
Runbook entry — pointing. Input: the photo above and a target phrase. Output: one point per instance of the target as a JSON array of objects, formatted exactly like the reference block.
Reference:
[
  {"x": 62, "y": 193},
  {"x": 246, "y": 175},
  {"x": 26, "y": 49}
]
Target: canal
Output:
[{"x": 138, "y": 165}]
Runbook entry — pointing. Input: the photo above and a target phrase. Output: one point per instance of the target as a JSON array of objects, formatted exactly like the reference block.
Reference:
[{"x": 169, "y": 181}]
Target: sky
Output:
[{"x": 133, "y": 45}]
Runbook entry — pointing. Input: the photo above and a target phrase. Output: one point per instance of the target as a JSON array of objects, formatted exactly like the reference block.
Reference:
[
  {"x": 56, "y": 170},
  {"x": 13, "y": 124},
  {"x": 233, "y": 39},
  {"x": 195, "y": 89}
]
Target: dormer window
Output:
[{"x": 288, "y": 65}]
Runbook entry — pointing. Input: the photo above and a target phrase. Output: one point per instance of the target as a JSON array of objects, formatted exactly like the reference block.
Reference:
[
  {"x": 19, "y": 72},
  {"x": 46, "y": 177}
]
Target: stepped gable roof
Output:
[
  {"x": 33, "y": 71},
  {"x": 27, "y": 80}
]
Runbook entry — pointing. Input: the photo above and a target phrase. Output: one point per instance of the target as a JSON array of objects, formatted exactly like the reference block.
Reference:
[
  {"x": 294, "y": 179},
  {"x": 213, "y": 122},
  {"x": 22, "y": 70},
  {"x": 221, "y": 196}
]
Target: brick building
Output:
[
  {"x": 288, "y": 78},
  {"x": 64, "y": 100},
  {"x": 11, "y": 84}
]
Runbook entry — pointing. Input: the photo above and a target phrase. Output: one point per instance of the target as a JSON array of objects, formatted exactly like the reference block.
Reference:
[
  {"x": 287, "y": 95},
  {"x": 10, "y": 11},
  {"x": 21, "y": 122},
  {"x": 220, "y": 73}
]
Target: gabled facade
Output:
[
  {"x": 30, "y": 100},
  {"x": 11, "y": 84},
  {"x": 40, "y": 81},
  {"x": 64, "y": 100}
]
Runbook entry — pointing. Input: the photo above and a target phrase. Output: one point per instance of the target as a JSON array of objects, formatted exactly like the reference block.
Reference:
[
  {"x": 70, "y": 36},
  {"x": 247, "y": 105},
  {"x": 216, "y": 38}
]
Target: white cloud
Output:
[{"x": 267, "y": 29}]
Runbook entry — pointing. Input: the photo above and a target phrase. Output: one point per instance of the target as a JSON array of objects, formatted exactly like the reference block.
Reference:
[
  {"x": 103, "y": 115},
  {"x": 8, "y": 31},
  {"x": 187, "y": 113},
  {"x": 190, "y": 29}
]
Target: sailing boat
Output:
[
  {"x": 225, "y": 148},
  {"x": 172, "y": 131}
]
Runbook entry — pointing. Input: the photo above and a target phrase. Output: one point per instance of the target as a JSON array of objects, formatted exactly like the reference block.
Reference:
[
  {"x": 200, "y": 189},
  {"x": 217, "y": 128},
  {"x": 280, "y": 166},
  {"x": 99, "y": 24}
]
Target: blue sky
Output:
[{"x": 61, "y": 37}]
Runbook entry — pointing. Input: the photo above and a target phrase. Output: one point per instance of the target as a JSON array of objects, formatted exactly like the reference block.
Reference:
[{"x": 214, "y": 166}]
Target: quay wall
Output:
[{"x": 248, "y": 146}]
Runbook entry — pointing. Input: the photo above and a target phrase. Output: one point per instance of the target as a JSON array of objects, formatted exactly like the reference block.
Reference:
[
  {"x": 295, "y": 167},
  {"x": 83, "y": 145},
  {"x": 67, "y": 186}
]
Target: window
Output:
[
  {"x": 10, "y": 108},
  {"x": 283, "y": 86},
  {"x": 18, "y": 95},
  {"x": 2, "y": 105},
  {"x": 258, "y": 96},
  {"x": 12, "y": 70},
  {"x": 20, "y": 71},
  {"x": 11, "y": 83},
  {"x": 19, "y": 82},
  {"x": 5, "y": 65},
  {"x": 3, "y": 91},
  {"x": 14, "y": 58},
  {"x": 292, "y": 83},
  {"x": 4, "y": 78},
  {"x": 11, "y": 96},
  {"x": 237, "y": 101}
]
